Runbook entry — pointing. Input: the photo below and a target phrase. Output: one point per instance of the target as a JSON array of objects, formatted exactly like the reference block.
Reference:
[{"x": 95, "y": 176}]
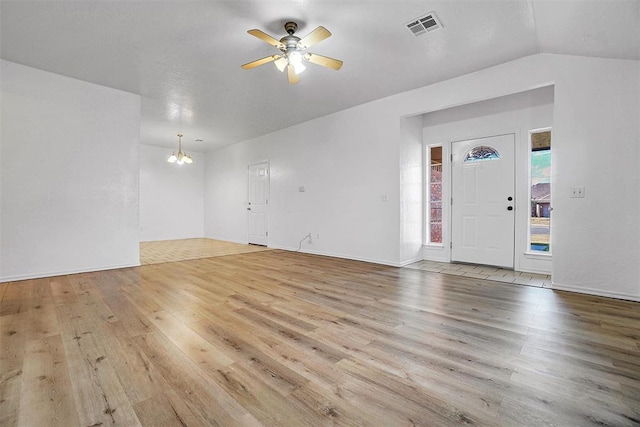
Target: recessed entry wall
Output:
[{"x": 513, "y": 114}]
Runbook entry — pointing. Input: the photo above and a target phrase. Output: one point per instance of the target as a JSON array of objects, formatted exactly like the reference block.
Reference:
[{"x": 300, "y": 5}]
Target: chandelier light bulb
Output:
[{"x": 180, "y": 158}]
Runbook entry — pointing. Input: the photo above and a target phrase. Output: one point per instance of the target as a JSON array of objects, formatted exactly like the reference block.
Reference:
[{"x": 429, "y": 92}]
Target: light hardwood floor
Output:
[{"x": 279, "y": 338}]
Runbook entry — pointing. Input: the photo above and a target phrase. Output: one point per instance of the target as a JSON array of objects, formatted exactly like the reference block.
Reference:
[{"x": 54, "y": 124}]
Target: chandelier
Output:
[{"x": 181, "y": 157}]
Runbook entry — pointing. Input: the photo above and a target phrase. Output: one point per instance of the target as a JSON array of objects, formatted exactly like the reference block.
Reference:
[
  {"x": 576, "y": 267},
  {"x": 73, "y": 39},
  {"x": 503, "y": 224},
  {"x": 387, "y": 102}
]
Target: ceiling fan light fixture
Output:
[
  {"x": 295, "y": 60},
  {"x": 299, "y": 67},
  {"x": 281, "y": 64},
  {"x": 292, "y": 49}
]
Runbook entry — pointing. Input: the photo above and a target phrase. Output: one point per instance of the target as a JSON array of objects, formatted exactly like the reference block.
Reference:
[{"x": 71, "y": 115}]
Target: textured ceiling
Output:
[{"x": 184, "y": 57}]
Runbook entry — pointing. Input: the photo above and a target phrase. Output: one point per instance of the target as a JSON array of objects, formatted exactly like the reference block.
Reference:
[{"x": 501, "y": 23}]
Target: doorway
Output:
[
  {"x": 483, "y": 205},
  {"x": 258, "y": 203}
]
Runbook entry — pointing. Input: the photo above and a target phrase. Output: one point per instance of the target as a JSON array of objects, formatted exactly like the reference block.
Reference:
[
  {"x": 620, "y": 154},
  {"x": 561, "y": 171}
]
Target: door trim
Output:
[
  {"x": 267, "y": 210},
  {"x": 450, "y": 192}
]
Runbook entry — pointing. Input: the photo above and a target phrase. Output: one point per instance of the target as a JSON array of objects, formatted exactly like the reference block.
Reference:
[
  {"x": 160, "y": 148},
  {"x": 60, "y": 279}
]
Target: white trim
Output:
[
  {"x": 411, "y": 261},
  {"x": 225, "y": 239},
  {"x": 514, "y": 132},
  {"x": 433, "y": 245},
  {"x": 437, "y": 259},
  {"x": 533, "y": 270},
  {"x": 540, "y": 255},
  {"x": 592, "y": 291},
  {"x": 426, "y": 206},
  {"x": 268, "y": 207},
  {"x": 65, "y": 272},
  {"x": 529, "y": 148}
]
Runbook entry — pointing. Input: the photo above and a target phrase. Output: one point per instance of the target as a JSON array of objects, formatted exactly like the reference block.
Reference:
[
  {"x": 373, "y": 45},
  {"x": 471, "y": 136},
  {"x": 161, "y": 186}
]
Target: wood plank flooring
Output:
[{"x": 278, "y": 338}]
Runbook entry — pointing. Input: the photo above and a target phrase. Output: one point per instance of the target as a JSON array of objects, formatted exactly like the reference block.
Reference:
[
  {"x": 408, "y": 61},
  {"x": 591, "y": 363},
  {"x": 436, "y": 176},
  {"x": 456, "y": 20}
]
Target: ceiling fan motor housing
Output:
[
  {"x": 290, "y": 42},
  {"x": 290, "y": 27}
]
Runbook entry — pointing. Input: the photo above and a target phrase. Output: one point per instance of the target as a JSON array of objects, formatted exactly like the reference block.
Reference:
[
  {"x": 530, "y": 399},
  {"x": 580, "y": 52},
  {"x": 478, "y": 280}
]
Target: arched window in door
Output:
[{"x": 481, "y": 152}]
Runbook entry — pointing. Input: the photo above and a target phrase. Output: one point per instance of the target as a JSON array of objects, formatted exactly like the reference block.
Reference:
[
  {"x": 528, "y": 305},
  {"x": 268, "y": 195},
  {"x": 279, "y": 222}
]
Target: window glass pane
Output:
[
  {"x": 540, "y": 221},
  {"x": 481, "y": 152},
  {"x": 435, "y": 195}
]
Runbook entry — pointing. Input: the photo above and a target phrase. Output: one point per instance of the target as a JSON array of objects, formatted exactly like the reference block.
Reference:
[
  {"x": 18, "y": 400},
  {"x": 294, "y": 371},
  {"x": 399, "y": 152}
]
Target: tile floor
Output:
[
  {"x": 181, "y": 250},
  {"x": 484, "y": 272}
]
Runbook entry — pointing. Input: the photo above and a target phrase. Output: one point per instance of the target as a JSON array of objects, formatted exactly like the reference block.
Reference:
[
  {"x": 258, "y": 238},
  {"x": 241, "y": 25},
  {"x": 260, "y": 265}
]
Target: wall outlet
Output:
[
  {"x": 384, "y": 198},
  {"x": 577, "y": 193}
]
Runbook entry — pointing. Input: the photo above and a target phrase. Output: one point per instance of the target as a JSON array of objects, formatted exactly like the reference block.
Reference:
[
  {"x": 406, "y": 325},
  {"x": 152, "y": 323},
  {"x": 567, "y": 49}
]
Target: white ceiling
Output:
[{"x": 183, "y": 57}]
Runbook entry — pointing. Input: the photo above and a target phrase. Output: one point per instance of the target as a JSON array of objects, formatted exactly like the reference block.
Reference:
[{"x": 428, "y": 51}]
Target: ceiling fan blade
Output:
[
  {"x": 325, "y": 61},
  {"x": 266, "y": 38},
  {"x": 257, "y": 62},
  {"x": 293, "y": 77},
  {"x": 314, "y": 37}
]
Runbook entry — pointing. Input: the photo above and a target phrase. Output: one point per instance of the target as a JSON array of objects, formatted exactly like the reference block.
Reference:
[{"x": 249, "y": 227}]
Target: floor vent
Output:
[{"x": 424, "y": 24}]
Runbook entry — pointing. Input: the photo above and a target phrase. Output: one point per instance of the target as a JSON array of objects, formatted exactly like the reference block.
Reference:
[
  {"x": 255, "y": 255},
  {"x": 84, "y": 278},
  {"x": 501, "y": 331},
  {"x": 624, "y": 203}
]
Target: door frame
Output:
[
  {"x": 255, "y": 163},
  {"x": 450, "y": 190},
  {"x": 524, "y": 261}
]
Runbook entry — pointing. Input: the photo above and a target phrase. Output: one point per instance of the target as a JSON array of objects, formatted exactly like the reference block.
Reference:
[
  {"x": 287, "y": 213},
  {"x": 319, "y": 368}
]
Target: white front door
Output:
[
  {"x": 258, "y": 203},
  {"x": 482, "y": 213}
]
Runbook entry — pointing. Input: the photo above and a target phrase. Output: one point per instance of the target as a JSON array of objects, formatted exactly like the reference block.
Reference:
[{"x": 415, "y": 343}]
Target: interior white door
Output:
[
  {"x": 483, "y": 205},
  {"x": 258, "y": 203}
]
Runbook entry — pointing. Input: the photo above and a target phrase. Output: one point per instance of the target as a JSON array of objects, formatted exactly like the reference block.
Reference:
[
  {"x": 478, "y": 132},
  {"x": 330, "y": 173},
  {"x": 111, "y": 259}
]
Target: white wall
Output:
[
  {"x": 69, "y": 175},
  {"x": 518, "y": 114},
  {"x": 597, "y": 129},
  {"x": 171, "y": 196},
  {"x": 344, "y": 172},
  {"x": 411, "y": 190},
  {"x": 348, "y": 160}
]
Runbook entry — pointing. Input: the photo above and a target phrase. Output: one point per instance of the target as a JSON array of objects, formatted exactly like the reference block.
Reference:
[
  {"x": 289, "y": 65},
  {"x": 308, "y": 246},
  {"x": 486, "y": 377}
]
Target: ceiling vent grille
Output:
[{"x": 424, "y": 24}]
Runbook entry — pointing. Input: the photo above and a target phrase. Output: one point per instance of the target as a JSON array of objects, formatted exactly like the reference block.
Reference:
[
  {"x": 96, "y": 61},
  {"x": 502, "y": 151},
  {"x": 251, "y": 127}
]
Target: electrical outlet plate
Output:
[{"x": 577, "y": 192}]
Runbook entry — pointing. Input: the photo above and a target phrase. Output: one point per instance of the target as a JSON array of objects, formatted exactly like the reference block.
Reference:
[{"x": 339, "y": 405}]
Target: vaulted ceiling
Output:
[{"x": 184, "y": 57}]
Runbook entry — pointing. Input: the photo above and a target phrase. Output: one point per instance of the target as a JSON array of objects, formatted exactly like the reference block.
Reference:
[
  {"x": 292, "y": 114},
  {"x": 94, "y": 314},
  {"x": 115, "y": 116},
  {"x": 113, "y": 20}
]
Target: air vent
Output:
[{"x": 424, "y": 24}]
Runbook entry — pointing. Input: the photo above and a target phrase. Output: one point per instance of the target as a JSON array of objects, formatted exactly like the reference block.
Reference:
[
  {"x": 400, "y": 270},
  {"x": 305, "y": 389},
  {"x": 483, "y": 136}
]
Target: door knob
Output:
[
  {"x": 509, "y": 208},
  {"x": 248, "y": 209},
  {"x": 509, "y": 198}
]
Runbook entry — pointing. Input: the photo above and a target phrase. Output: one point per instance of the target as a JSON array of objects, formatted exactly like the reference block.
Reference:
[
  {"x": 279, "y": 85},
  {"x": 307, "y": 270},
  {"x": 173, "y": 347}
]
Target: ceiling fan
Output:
[{"x": 292, "y": 48}]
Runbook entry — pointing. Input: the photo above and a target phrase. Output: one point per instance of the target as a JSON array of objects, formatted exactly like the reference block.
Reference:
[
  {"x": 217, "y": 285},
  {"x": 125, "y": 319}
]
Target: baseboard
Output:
[
  {"x": 170, "y": 240},
  {"x": 222, "y": 239},
  {"x": 596, "y": 292},
  {"x": 65, "y": 272},
  {"x": 334, "y": 255},
  {"x": 411, "y": 261},
  {"x": 435, "y": 259},
  {"x": 527, "y": 270}
]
